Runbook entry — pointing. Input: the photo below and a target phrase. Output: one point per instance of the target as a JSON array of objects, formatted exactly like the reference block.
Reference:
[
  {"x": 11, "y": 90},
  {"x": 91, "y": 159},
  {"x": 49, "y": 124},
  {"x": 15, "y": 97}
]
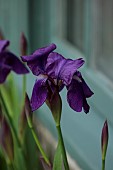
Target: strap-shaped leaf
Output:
[{"x": 57, "y": 164}]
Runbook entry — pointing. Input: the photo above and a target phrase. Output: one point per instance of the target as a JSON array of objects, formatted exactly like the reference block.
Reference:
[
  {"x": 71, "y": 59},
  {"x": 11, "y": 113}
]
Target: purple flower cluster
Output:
[
  {"x": 54, "y": 72},
  {"x": 9, "y": 62}
]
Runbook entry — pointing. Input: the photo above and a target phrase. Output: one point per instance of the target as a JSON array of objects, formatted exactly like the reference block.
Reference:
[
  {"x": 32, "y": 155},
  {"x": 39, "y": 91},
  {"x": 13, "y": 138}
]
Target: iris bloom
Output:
[
  {"x": 54, "y": 72},
  {"x": 9, "y": 62}
]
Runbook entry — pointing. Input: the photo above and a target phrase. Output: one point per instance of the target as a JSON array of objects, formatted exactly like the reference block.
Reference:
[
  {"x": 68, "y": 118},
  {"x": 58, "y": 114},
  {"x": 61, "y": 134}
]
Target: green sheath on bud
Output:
[{"x": 55, "y": 105}]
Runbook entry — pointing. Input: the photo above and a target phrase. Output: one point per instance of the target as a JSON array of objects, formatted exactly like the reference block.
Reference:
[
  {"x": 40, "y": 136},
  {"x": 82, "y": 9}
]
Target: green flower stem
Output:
[
  {"x": 62, "y": 147},
  {"x": 103, "y": 164},
  {"x": 10, "y": 120},
  {"x": 39, "y": 145},
  {"x": 24, "y": 88}
]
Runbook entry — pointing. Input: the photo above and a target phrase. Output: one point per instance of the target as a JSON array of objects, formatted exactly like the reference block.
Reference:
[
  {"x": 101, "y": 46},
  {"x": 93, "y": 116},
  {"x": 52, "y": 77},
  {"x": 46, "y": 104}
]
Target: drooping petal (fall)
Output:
[
  {"x": 87, "y": 91},
  {"x": 9, "y": 62},
  {"x": 39, "y": 93},
  {"x": 16, "y": 65},
  {"x": 75, "y": 96}
]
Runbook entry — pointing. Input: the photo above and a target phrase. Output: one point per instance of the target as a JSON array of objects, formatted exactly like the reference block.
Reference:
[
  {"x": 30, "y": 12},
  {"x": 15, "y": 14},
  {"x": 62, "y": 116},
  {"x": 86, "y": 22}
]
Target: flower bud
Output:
[
  {"x": 55, "y": 105},
  {"x": 104, "y": 139},
  {"x": 23, "y": 44},
  {"x": 6, "y": 139},
  {"x": 1, "y": 35}
]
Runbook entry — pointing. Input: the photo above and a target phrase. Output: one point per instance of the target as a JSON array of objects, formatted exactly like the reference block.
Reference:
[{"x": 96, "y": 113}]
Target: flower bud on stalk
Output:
[
  {"x": 1, "y": 35},
  {"x": 104, "y": 140},
  {"x": 55, "y": 105},
  {"x": 23, "y": 44},
  {"x": 6, "y": 139}
]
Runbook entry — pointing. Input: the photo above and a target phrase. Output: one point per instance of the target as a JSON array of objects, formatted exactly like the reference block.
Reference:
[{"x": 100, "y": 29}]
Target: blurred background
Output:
[{"x": 79, "y": 28}]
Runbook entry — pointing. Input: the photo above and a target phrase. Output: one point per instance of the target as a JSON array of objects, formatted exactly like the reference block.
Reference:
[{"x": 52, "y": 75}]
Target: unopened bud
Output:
[
  {"x": 23, "y": 44},
  {"x": 104, "y": 139},
  {"x": 55, "y": 105},
  {"x": 1, "y": 35},
  {"x": 6, "y": 140}
]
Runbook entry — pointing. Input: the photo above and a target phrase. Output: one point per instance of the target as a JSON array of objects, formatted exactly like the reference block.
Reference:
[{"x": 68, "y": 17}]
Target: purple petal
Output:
[
  {"x": 3, "y": 44},
  {"x": 39, "y": 93},
  {"x": 17, "y": 66},
  {"x": 54, "y": 64},
  {"x": 38, "y": 67},
  {"x": 87, "y": 91},
  {"x": 60, "y": 68},
  {"x": 4, "y": 71},
  {"x": 69, "y": 68},
  {"x": 75, "y": 96},
  {"x": 40, "y": 52},
  {"x": 86, "y": 107},
  {"x": 12, "y": 61},
  {"x": 37, "y": 60}
]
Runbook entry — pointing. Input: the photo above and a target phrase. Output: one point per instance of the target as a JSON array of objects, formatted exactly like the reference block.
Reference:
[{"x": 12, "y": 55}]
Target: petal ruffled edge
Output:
[
  {"x": 40, "y": 52},
  {"x": 61, "y": 68}
]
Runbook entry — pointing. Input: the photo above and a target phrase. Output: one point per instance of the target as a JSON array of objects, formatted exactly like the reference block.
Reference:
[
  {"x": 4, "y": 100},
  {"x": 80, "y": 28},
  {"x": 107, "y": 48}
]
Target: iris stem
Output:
[
  {"x": 103, "y": 164},
  {"x": 39, "y": 145},
  {"x": 24, "y": 88},
  {"x": 62, "y": 147},
  {"x": 10, "y": 120}
]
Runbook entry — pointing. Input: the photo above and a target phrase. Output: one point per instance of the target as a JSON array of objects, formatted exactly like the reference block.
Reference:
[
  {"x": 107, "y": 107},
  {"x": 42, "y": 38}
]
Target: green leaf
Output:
[{"x": 57, "y": 164}]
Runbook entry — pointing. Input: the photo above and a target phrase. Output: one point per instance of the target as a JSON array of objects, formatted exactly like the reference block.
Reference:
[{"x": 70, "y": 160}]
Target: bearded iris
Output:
[
  {"x": 9, "y": 62},
  {"x": 53, "y": 72}
]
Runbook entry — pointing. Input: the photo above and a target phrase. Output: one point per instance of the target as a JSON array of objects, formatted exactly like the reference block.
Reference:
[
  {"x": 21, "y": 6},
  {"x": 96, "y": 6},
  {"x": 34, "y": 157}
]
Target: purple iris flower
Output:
[
  {"x": 37, "y": 63},
  {"x": 53, "y": 72},
  {"x": 8, "y": 62},
  {"x": 66, "y": 71}
]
